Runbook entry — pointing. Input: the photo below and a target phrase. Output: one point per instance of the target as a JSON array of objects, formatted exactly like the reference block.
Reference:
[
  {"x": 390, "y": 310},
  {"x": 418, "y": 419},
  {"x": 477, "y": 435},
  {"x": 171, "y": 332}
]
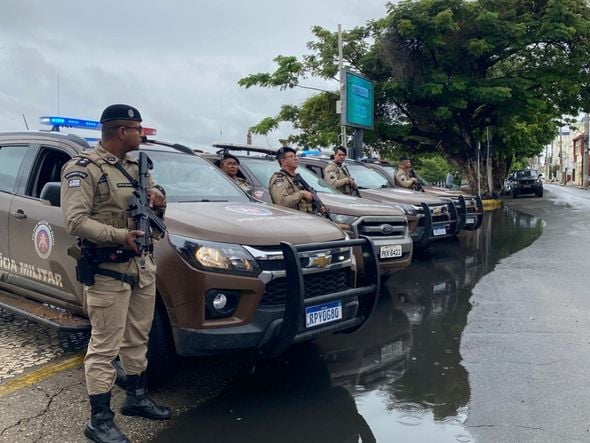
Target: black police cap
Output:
[
  {"x": 120, "y": 112},
  {"x": 285, "y": 150},
  {"x": 228, "y": 156}
]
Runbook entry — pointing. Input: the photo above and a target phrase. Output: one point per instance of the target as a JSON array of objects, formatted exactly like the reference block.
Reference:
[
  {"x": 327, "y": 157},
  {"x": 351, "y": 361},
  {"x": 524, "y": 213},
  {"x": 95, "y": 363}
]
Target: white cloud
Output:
[{"x": 178, "y": 62}]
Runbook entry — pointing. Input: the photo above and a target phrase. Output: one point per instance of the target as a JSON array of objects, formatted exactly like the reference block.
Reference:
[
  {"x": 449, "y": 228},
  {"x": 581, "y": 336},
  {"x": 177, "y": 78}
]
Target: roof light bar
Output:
[{"x": 67, "y": 122}]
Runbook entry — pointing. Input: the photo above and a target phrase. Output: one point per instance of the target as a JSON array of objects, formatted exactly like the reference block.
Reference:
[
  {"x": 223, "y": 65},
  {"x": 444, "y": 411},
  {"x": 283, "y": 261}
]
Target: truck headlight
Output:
[
  {"x": 214, "y": 256},
  {"x": 407, "y": 208},
  {"x": 342, "y": 219}
]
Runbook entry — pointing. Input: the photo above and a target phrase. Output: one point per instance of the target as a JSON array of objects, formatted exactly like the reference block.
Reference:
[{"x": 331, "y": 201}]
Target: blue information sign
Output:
[{"x": 358, "y": 104}]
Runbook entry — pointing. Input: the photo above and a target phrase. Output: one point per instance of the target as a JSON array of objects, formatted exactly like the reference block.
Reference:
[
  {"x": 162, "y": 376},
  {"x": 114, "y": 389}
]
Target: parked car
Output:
[
  {"x": 526, "y": 181},
  {"x": 233, "y": 274},
  {"x": 387, "y": 226}
]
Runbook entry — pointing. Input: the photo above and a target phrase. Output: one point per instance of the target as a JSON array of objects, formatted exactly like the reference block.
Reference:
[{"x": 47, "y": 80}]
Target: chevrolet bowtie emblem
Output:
[
  {"x": 436, "y": 211},
  {"x": 320, "y": 261}
]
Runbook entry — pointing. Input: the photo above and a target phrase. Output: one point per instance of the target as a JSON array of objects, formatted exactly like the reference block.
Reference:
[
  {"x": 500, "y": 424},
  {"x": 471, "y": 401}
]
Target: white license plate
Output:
[
  {"x": 321, "y": 314},
  {"x": 390, "y": 251},
  {"x": 470, "y": 220},
  {"x": 390, "y": 351},
  {"x": 439, "y": 231}
]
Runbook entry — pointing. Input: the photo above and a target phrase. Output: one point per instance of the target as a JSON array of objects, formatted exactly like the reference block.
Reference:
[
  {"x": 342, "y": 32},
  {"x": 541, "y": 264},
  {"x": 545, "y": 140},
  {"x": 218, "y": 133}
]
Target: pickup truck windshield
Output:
[
  {"x": 263, "y": 170},
  {"x": 366, "y": 177},
  {"x": 188, "y": 178}
]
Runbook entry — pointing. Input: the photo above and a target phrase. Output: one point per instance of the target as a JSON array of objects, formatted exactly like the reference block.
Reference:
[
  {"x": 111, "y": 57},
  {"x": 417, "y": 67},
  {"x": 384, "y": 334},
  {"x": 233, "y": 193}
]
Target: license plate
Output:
[
  {"x": 439, "y": 231},
  {"x": 390, "y": 251},
  {"x": 390, "y": 351},
  {"x": 322, "y": 314},
  {"x": 470, "y": 220}
]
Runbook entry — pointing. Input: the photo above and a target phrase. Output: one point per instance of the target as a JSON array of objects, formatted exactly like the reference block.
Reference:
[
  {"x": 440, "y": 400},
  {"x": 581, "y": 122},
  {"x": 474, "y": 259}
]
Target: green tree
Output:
[{"x": 451, "y": 73}]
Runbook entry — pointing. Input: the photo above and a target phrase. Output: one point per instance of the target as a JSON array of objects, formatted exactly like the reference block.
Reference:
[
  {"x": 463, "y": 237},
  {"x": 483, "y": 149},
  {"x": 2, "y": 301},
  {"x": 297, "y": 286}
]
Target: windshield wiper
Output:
[{"x": 203, "y": 200}]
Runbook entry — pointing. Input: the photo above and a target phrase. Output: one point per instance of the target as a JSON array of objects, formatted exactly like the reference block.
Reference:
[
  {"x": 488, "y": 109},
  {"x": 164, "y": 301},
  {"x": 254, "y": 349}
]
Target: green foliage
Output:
[
  {"x": 449, "y": 74},
  {"x": 433, "y": 168}
]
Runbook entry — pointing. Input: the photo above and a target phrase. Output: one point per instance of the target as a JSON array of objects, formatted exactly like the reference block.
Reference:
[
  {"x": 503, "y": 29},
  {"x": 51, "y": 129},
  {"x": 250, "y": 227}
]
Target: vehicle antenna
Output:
[{"x": 26, "y": 124}]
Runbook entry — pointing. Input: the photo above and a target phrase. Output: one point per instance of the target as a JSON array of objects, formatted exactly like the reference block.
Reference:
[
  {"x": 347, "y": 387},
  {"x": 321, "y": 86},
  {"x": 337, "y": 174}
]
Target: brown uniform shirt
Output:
[
  {"x": 285, "y": 192},
  {"x": 337, "y": 176},
  {"x": 403, "y": 179},
  {"x": 243, "y": 184}
]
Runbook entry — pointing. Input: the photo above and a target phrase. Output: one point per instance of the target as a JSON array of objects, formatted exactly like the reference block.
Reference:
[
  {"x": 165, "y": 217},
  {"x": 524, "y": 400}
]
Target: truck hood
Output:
[
  {"x": 347, "y": 205},
  {"x": 248, "y": 224},
  {"x": 398, "y": 195},
  {"x": 437, "y": 190}
]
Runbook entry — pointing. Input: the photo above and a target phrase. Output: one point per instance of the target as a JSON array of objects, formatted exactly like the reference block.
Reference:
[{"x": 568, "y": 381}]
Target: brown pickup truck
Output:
[
  {"x": 470, "y": 207},
  {"x": 387, "y": 226},
  {"x": 233, "y": 274},
  {"x": 437, "y": 218}
]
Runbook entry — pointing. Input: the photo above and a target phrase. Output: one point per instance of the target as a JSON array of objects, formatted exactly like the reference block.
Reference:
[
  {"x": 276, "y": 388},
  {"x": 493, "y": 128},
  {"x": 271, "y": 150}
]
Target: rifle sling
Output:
[{"x": 121, "y": 169}]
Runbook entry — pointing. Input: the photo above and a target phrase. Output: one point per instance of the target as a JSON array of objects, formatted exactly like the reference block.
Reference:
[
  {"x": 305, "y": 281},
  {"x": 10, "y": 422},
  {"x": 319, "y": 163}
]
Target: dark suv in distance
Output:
[{"x": 526, "y": 181}]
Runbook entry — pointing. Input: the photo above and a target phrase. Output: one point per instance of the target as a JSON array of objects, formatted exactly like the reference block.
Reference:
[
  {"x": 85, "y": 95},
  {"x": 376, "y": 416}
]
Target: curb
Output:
[{"x": 491, "y": 205}]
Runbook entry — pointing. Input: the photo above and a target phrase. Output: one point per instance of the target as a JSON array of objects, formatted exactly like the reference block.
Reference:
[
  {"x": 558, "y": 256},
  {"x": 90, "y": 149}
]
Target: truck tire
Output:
[
  {"x": 161, "y": 353},
  {"x": 514, "y": 194},
  {"x": 71, "y": 341},
  {"x": 540, "y": 193}
]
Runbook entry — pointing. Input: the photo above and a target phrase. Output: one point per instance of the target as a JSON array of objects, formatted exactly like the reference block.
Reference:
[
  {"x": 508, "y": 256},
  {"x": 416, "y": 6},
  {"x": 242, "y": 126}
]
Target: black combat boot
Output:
[
  {"x": 138, "y": 402},
  {"x": 102, "y": 428}
]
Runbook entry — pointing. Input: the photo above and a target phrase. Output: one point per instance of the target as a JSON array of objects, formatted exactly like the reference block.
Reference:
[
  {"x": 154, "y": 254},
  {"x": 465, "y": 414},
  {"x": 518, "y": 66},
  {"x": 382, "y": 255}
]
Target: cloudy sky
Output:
[{"x": 178, "y": 61}]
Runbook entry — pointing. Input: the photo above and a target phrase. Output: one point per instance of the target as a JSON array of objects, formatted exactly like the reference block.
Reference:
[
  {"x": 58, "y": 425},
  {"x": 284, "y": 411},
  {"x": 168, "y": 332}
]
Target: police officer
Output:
[
  {"x": 231, "y": 165},
  {"x": 283, "y": 187},
  {"x": 95, "y": 192},
  {"x": 337, "y": 174},
  {"x": 403, "y": 175}
]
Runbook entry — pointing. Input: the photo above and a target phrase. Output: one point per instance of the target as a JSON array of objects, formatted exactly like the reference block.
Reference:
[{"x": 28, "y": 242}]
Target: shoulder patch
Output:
[
  {"x": 103, "y": 178},
  {"x": 74, "y": 183},
  {"x": 80, "y": 174}
]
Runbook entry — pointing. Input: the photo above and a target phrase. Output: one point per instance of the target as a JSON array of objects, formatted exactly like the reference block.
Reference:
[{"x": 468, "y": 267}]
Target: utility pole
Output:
[
  {"x": 585, "y": 151},
  {"x": 561, "y": 177},
  {"x": 340, "y": 66}
]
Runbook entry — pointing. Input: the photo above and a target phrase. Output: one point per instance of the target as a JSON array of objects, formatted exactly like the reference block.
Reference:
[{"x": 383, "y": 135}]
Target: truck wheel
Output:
[
  {"x": 540, "y": 193},
  {"x": 514, "y": 194},
  {"x": 161, "y": 353},
  {"x": 73, "y": 341}
]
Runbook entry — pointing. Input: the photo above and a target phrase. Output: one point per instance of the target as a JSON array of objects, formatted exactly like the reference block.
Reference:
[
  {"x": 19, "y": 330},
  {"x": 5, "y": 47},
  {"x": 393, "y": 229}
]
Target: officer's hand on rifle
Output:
[
  {"x": 130, "y": 240},
  {"x": 308, "y": 196},
  {"x": 323, "y": 210},
  {"x": 156, "y": 197}
]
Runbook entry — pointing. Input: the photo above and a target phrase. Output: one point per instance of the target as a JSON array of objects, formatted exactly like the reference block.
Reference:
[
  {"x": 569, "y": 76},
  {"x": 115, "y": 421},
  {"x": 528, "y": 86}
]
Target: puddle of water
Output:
[{"x": 399, "y": 378}]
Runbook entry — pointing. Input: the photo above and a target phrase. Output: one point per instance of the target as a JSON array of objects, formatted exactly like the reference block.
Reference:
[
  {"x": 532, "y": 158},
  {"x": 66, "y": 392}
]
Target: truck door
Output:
[
  {"x": 11, "y": 158},
  {"x": 38, "y": 240}
]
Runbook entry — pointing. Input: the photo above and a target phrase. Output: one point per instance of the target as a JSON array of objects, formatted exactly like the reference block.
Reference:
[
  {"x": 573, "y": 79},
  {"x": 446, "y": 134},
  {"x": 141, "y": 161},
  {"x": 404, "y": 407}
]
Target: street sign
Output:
[{"x": 358, "y": 101}]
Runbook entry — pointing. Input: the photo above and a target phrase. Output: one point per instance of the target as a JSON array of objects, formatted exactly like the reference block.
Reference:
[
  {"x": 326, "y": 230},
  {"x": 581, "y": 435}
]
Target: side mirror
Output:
[{"x": 51, "y": 193}]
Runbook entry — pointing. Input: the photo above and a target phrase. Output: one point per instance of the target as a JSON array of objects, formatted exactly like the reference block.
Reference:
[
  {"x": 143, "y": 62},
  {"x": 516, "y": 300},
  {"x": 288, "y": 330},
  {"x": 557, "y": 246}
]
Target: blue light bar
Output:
[{"x": 67, "y": 122}]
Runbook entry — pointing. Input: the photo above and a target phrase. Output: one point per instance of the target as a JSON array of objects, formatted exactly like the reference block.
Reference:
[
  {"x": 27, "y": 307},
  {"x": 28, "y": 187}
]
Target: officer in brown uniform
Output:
[
  {"x": 337, "y": 174},
  {"x": 231, "y": 165},
  {"x": 284, "y": 189},
  {"x": 403, "y": 176},
  {"x": 95, "y": 191}
]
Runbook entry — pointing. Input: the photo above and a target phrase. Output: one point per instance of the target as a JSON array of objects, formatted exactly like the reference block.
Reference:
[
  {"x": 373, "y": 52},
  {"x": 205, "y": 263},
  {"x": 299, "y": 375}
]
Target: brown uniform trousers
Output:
[
  {"x": 285, "y": 192},
  {"x": 337, "y": 176},
  {"x": 94, "y": 199}
]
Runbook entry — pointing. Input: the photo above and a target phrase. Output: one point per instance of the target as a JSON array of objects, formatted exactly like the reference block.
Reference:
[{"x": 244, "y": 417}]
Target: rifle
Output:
[
  {"x": 316, "y": 202},
  {"x": 353, "y": 185},
  {"x": 417, "y": 185},
  {"x": 139, "y": 209}
]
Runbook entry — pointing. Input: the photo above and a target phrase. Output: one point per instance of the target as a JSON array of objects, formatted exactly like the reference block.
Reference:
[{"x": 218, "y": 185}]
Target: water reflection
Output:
[{"x": 399, "y": 378}]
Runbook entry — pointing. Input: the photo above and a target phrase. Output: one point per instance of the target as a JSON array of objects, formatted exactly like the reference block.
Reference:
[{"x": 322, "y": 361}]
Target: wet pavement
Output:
[
  {"x": 402, "y": 377},
  {"x": 399, "y": 378}
]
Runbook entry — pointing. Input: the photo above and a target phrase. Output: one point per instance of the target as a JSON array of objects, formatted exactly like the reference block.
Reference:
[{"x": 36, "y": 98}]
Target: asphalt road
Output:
[{"x": 526, "y": 345}]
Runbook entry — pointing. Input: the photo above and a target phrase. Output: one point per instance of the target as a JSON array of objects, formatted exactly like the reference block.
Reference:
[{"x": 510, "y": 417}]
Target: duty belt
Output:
[{"x": 113, "y": 255}]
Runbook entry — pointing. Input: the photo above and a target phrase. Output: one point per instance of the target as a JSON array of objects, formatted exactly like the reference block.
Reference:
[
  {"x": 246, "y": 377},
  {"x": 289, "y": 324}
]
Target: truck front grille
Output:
[
  {"x": 377, "y": 229},
  {"x": 314, "y": 285}
]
